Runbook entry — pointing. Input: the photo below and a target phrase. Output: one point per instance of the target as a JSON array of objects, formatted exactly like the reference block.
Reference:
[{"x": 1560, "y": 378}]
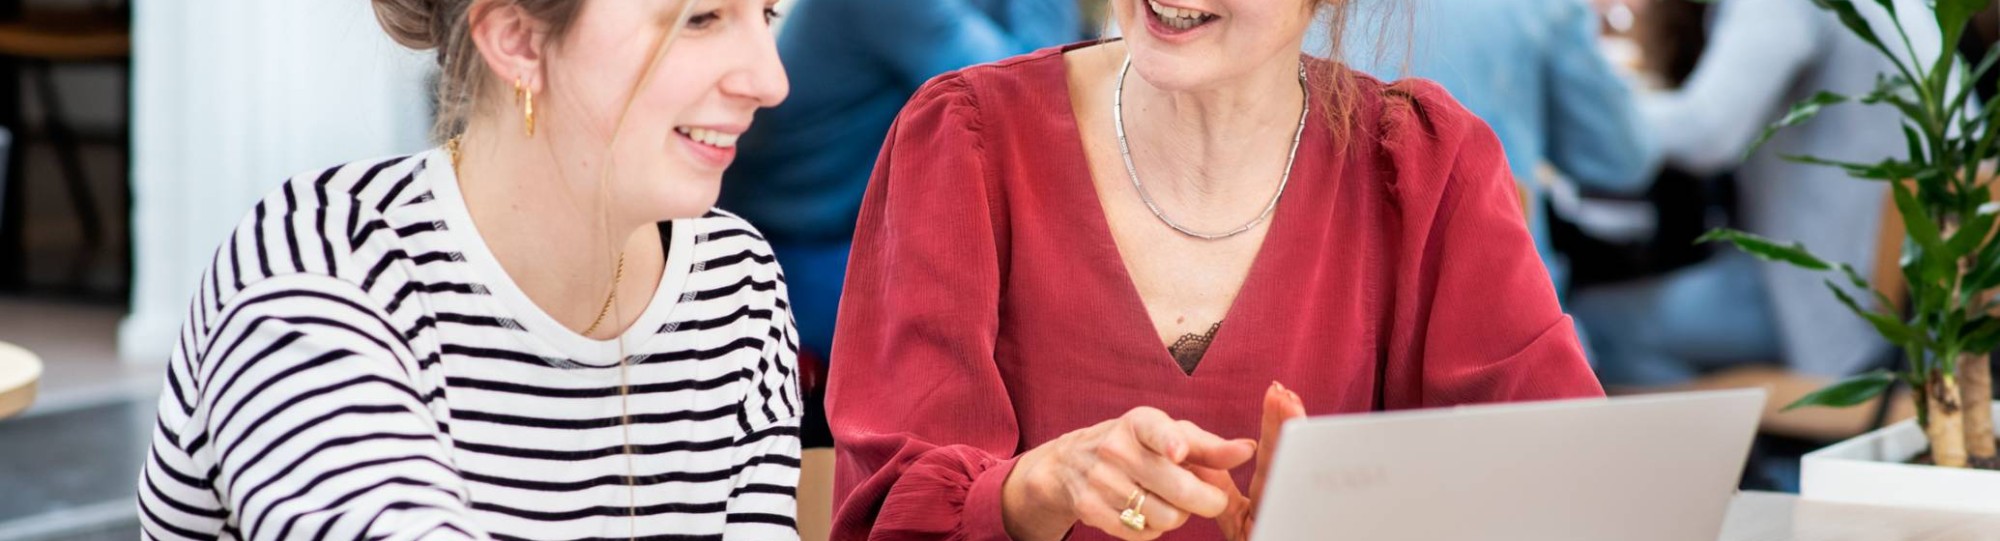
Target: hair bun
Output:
[{"x": 417, "y": 24}]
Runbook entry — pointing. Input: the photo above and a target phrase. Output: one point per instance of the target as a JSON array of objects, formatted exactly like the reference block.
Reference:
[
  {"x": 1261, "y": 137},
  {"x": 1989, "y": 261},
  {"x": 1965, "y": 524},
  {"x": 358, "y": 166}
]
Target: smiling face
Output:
[
  {"x": 671, "y": 118},
  {"x": 1190, "y": 45}
]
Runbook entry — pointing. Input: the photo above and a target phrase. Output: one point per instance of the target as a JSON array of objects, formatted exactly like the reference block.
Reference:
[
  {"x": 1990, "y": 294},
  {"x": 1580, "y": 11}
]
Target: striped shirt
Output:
[{"x": 355, "y": 364}]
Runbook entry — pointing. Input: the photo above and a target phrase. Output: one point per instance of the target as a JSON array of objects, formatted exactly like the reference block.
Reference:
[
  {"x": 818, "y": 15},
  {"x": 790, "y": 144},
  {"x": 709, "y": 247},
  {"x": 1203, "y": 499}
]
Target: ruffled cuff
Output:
[
  {"x": 949, "y": 493},
  {"x": 982, "y": 518}
]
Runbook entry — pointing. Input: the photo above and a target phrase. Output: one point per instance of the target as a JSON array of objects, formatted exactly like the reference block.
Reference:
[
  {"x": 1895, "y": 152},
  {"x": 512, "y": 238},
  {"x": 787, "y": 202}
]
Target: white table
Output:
[
  {"x": 20, "y": 371},
  {"x": 1764, "y": 516}
]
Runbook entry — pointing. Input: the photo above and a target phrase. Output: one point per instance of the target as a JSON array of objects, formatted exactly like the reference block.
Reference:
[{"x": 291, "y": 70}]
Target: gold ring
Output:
[{"x": 1131, "y": 516}]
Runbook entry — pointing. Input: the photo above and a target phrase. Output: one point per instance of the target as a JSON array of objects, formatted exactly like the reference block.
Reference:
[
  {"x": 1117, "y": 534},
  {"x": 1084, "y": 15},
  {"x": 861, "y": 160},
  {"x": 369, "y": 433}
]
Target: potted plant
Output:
[{"x": 1951, "y": 266}]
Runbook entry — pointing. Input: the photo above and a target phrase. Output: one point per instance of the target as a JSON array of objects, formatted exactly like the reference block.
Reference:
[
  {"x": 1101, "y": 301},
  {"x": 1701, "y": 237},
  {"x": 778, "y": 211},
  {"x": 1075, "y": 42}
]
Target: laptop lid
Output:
[{"x": 1643, "y": 468}]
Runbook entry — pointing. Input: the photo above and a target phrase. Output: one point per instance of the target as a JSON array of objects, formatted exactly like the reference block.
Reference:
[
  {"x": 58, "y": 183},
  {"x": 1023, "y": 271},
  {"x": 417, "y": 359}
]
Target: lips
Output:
[
  {"x": 1177, "y": 18},
  {"x": 710, "y": 137},
  {"x": 712, "y": 147}
]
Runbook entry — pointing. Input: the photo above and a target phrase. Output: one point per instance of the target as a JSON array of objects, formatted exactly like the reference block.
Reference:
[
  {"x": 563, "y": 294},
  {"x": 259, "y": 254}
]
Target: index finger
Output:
[{"x": 1158, "y": 432}]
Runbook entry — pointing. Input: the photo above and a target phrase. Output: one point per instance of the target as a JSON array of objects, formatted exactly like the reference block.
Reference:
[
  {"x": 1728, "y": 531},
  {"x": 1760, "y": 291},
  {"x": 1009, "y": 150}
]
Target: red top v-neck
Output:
[{"x": 987, "y": 309}]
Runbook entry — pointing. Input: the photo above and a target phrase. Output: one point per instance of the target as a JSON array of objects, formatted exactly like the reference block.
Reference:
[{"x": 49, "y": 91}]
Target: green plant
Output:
[{"x": 1950, "y": 261}]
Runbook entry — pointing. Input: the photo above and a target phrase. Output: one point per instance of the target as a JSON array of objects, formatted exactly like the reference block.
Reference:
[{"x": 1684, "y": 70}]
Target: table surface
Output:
[
  {"x": 19, "y": 373},
  {"x": 1764, "y": 516}
]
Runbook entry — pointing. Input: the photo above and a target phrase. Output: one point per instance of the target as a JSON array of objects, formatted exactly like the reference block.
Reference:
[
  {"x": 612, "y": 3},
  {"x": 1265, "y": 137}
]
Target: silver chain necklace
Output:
[{"x": 1125, "y": 150}]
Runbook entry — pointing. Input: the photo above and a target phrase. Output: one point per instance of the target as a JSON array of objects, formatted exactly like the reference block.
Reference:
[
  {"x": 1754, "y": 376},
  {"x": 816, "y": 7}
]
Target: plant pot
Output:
[{"x": 1874, "y": 469}]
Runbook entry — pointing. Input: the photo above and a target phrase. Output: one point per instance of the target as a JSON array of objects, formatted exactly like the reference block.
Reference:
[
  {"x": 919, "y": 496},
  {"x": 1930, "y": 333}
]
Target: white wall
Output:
[{"x": 230, "y": 98}]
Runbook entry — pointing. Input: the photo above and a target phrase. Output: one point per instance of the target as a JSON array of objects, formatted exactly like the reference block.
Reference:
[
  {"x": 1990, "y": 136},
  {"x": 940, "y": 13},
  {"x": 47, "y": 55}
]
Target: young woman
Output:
[
  {"x": 1078, "y": 272},
  {"x": 539, "y": 330}
]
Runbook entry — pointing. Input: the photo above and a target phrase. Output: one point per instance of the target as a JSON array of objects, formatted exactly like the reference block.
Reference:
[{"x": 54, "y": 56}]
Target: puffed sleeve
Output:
[
  {"x": 1476, "y": 317},
  {"x": 925, "y": 431}
]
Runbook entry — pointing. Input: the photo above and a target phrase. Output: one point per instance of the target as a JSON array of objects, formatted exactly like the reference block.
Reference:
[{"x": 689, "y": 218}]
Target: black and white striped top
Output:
[{"x": 357, "y": 365}]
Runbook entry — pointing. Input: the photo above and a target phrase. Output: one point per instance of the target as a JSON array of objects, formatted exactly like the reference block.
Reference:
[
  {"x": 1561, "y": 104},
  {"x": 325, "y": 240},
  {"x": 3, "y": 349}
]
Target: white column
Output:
[{"x": 230, "y": 98}]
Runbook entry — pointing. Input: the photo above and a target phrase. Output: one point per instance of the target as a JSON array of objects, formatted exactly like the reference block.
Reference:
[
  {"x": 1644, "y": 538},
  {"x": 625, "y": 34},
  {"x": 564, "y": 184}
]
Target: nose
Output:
[{"x": 761, "y": 77}]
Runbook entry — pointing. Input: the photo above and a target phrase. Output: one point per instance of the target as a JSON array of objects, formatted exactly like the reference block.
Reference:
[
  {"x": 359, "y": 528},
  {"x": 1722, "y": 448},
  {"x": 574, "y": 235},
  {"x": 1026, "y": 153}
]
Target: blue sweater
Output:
[{"x": 803, "y": 166}]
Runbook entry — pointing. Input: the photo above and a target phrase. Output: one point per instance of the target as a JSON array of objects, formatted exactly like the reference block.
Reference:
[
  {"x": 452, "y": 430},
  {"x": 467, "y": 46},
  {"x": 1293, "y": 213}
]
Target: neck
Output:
[
  {"x": 1203, "y": 141},
  {"x": 551, "y": 229}
]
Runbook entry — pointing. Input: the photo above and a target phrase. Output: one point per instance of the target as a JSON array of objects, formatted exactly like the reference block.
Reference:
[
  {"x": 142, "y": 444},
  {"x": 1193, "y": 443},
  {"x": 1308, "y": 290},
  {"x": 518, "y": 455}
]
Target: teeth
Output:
[
  {"x": 710, "y": 137},
  {"x": 1176, "y": 17}
]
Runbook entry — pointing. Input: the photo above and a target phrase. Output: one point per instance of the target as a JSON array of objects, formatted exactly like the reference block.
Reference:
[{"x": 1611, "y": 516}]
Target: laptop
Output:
[{"x": 1644, "y": 468}]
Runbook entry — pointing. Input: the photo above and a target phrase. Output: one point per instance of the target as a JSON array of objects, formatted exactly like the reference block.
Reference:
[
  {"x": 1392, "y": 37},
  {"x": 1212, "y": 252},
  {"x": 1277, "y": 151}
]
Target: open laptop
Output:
[{"x": 1646, "y": 468}]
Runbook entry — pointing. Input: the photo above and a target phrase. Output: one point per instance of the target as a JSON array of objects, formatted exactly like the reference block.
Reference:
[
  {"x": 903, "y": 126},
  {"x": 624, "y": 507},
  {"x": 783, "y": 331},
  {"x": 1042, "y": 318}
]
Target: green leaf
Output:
[
  {"x": 1887, "y": 87},
  {"x": 1891, "y": 169},
  {"x": 1801, "y": 112},
  {"x": 1852, "y": 391},
  {"x": 1854, "y": 279},
  {"x": 1890, "y": 7},
  {"x": 1985, "y": 273},
  {"x": 1936, "y": 259},
  {"x": 1982, "y": 335},
  {"x": 1916, "y": 141},
  {"x": 1891, "y": 329},
  {"x": 1925, "y": 297},
  {"x": 1951, "y": 18},
  {"x": 1985, "y": 64},
  {"x": 1855, "y": 23},
  {"x": 1767, "y": 249},
  {"x": 1970, "y": 83},
  {"x": 1896, "y": 91},
  {"x": 1951, "y": 331},
  {"x": 1974, "y": 231}
]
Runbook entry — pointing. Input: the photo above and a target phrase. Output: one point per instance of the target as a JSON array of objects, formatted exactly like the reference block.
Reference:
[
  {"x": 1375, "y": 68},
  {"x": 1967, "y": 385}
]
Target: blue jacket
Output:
[{"x": 801, "y": 170}]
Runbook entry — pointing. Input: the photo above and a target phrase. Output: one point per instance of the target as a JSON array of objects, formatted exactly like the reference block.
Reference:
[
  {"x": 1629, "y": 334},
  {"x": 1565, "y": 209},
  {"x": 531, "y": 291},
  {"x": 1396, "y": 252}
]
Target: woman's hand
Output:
[
  {"x": 1093, "y": 474},
  {"x": 1280, "y": 405}
]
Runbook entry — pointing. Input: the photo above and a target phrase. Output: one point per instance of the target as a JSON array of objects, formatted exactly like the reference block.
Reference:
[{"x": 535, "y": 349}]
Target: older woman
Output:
[
  {"x": 1077, "y": 272},
  {"x": 537, "y": 331}
]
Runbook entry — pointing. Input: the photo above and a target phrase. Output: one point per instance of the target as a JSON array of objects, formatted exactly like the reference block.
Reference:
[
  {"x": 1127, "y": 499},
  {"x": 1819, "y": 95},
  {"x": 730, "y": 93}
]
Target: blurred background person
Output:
[
  {"x": 853, "y": 63},
  {"x": 1534, "y": 71},
  {"x": 1721, "y": 318},
  {"x": 1733, "y": 310},
  {"x": 1609, "y": 236}
]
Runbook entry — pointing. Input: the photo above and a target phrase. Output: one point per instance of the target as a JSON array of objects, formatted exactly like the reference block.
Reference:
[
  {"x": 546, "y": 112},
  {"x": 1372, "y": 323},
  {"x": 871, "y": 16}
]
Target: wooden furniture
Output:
[
  {"x": 815, "y": 494},
  {"x": 33, "y": 41},
  {"x": 20, "y": 371},
  {"x": 1764, "y": 516}
]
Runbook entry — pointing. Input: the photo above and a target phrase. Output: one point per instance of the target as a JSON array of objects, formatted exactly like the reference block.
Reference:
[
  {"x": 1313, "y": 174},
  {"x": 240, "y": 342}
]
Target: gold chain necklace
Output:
[
  {"x": 617, "y": 275},
  {"x": 624, "y": 375}
]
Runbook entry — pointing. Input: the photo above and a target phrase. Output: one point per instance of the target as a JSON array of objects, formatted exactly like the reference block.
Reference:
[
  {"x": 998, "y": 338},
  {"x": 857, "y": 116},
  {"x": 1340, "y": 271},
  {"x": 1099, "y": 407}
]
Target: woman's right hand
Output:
[{"x": 1092, "y": 474}]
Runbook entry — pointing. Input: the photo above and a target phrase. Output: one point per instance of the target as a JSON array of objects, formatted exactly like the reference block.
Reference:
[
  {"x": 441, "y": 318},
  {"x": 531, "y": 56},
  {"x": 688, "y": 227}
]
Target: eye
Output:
[
  {"x": 703, "y": 20},
  {"x": 771, "y": 14}
]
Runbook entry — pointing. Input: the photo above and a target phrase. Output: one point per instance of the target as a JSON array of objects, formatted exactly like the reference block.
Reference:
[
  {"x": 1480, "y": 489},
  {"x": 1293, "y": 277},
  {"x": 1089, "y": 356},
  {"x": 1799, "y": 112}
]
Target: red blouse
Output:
[{"x": 987, "y": 310}]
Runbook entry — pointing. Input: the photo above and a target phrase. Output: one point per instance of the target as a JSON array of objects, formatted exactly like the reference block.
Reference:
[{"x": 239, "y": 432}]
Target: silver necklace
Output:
[{"x": 1125, "y": 150}]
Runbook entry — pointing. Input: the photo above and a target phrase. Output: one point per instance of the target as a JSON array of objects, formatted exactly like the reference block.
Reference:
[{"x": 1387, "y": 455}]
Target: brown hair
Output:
[
  {"x": 445, "y": 25},
  {"x": 1671, "y": 37}
]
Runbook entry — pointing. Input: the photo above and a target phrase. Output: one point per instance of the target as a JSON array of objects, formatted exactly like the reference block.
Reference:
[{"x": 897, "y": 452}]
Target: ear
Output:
[{"x": 510, "y": 41}]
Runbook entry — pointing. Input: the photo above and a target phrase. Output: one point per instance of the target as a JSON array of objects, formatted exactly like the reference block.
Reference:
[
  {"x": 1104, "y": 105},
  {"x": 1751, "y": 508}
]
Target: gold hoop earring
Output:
[{"x": 526, "y": 98}]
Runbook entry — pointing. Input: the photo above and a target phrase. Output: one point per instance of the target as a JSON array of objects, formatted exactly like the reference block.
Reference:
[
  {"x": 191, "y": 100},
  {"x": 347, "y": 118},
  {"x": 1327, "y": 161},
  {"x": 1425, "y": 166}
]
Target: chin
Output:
[
  {"x": 674, "y": 201},
  {"x": 1172, "y": 74}
]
